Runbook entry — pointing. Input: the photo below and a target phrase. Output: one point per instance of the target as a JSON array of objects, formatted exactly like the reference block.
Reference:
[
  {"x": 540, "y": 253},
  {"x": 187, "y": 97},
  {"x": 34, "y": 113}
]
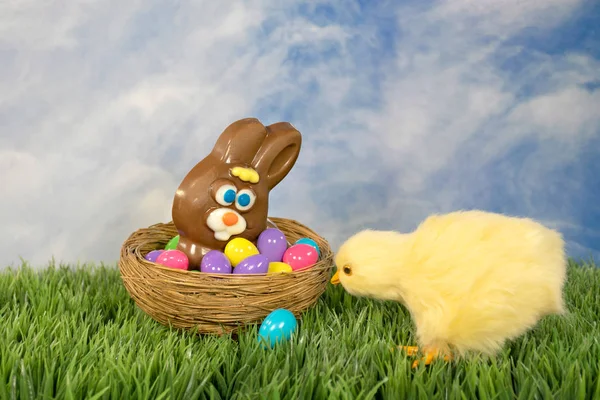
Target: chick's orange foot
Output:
[
  {"x": 410, "y": 350},
  {"x": 430, "y": 354}
]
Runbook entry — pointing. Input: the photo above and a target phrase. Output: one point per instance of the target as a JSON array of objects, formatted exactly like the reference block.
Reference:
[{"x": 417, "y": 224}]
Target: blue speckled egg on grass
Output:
[{"x": 276, "y": 327}]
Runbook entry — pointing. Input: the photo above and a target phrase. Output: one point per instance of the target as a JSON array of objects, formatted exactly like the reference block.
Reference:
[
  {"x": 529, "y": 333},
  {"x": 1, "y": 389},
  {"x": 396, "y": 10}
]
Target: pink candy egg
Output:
[
  {"x": 300, "y": 256},
  {"x": 173, "y": 259}
]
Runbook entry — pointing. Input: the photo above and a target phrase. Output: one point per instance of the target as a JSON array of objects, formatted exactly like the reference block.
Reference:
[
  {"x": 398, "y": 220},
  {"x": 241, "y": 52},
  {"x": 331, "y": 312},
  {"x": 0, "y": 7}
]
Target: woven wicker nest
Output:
[{"x": 215, "y": 303}]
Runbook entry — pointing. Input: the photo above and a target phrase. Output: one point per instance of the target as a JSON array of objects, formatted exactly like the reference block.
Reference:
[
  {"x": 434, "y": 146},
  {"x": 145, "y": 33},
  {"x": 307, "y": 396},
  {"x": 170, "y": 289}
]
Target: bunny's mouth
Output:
[{"x": 225, "y": 223}]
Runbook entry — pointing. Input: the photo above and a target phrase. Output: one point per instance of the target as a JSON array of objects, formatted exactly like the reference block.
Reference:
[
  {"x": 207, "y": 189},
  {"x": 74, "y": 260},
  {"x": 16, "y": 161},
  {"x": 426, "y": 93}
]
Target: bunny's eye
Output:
[
  {"x": 225, "y": 195},
  {"x": 245, "y": 199}
]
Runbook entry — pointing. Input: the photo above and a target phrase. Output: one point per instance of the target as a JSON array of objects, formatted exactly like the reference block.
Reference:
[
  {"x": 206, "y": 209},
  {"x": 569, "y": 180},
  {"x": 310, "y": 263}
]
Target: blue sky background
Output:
[{"x": 407, "y": 108}]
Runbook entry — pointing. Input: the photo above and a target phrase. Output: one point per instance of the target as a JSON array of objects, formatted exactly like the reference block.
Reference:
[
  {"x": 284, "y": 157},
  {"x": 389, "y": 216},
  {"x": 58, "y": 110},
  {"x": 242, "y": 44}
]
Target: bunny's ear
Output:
[
  {"x": 240, "y": 141},
  {"x": 278, "y": 153}
]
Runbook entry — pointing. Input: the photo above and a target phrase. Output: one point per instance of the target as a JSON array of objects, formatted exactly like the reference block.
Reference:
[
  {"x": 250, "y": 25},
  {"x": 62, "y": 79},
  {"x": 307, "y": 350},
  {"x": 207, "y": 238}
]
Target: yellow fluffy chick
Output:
[{"x": 471, "y": 280}]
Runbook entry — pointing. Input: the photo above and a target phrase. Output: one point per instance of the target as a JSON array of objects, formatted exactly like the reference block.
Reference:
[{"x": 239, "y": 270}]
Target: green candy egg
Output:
[{"x": 172, "y": 245}]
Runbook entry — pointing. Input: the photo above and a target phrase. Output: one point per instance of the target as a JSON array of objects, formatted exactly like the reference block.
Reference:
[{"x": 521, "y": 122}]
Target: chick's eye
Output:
[
  {"x": 347, "y": 270},
  {"x": 225, "y": 195},
  {"x": 245, "y": 199}
]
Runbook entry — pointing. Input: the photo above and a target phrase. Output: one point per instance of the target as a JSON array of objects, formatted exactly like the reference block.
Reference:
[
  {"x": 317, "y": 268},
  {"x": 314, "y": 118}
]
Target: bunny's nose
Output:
[{"x": 230, "y": 219}]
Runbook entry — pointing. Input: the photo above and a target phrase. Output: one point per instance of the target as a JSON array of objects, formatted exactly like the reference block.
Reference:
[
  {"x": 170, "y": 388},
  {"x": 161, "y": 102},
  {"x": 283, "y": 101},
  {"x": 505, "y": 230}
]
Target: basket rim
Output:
[{"x": 324, "y": 262}]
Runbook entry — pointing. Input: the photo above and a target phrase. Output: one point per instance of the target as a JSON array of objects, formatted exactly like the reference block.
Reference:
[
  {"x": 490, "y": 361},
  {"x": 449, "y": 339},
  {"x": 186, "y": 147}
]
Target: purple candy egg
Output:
[
  {"x": 272, "y": 244},
  {"x": 256, "y": 264},
  {"x": 153, "y": 255},
  {"x": 215, "y": 262}
]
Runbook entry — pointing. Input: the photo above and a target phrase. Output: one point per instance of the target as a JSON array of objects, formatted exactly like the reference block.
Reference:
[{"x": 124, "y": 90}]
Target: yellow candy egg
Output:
[
  {"x": 239, "y": 249},
  {"x": 278, "y": 267}
]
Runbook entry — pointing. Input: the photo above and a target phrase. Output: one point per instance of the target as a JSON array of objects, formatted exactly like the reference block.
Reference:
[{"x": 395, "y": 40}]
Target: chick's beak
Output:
[{"x": 335, "y": 279}]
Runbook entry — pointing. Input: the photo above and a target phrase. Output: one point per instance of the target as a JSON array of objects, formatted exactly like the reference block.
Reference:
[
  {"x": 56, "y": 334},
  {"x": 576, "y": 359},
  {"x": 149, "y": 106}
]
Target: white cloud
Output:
[
  {"x": 504, "y": 17},
  {"x": 40, "y": 25},
  {"x": 106, "y": 112},
  {"x": 563, "y": 115}
]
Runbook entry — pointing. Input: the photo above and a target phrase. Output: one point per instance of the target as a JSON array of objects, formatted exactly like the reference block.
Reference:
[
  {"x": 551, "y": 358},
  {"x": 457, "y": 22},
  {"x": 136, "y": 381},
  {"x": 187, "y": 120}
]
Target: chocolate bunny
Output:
[{"x": 226, "y": 194}]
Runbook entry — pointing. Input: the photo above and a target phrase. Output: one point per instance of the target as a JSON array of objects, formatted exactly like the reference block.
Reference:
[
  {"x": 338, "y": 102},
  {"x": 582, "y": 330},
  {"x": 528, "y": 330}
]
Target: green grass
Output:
[{"x": 75, "y": 333}]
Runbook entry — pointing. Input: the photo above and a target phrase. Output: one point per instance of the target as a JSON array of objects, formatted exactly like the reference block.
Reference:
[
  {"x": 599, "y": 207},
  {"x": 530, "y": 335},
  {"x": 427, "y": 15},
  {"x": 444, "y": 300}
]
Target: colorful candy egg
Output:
[
  {"x": 255, "y": 264},
  {"x": 215, "y": 262},
  {"x": 279, "y": 267},
  {"x": 310, "y": 242},
  {"x": 300, "y": 256},
  {"x": 173, "y": 259},
  {"x": 239, "y": 249},
  {"x": 276, "y": 327},
  {"x": 272, "y": 243},
  {"x": 153, "y": 255},
  {"x": 172, "y": 245}
]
